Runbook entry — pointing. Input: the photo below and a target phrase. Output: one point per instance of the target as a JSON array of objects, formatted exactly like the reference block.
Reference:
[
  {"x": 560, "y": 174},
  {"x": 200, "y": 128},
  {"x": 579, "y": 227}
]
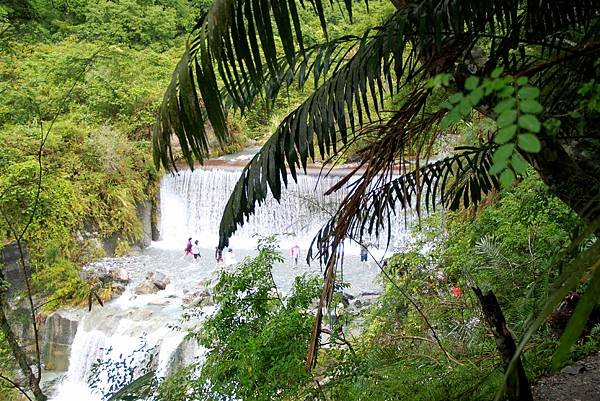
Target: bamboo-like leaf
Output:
[
  {"x": 578, "y": 320},
  {"x": 589, "y": 260}
]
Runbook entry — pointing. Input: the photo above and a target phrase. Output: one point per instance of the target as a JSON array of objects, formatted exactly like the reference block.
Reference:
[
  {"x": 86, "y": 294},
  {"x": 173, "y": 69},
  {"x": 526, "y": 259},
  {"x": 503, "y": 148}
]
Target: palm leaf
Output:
[
  {"x": 236, "y": 43},
  {"x": 577, "y": 322},
  {"x": 457, "y": 181},
  {"x": 337, "y": 107},
  {"x": 238, "y": 38}
]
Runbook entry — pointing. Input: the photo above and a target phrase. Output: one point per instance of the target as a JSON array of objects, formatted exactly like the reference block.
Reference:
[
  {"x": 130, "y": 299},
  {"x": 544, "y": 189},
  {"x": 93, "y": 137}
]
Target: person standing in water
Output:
[
  {"x": 188, "y": 248},
  {"x": 364, "y": 253},
  {"x": 295, "y": 252},
  {"x": 196, "y": 250},
  {"x": 230, "y": 258},
  {"x": 218, "y": 255}
]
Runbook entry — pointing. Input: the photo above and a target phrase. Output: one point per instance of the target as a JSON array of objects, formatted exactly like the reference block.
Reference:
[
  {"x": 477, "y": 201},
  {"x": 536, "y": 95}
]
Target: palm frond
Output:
[
  {"x": 457, "y": 181},
  {"x": 236, "y": 42},
  {"x": 337, "y": 107}
]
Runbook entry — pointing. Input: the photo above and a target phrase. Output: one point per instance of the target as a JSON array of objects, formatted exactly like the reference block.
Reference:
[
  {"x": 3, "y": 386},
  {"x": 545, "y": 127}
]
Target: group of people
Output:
[{"x": 193, "y": 249}]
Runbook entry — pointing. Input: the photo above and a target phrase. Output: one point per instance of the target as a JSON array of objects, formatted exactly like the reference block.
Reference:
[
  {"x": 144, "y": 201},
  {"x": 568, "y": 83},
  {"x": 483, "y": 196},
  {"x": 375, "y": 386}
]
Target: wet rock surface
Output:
[
  {"x": 159, "y": 279},
  {"x": 119, "y": 274},
  {"x": 59, "y": 331},
  {"x": 199, "y": 298},
  {"x": 579, "y": 381},
  {"x": 154, "y": 282},
  {"x": 146, "y": 287}
]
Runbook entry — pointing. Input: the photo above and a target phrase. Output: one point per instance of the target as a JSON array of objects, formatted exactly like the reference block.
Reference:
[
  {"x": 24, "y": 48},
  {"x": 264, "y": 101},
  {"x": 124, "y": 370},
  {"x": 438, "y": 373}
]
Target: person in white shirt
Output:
[
  {"x": 196, "y": 250},
  {"x": 229, "y": 258}
]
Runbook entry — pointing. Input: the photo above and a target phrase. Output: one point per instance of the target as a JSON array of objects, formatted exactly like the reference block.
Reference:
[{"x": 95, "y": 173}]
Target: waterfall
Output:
[
  {"x": 122, "y": 336},
  {"x": 192, "y": 204}
]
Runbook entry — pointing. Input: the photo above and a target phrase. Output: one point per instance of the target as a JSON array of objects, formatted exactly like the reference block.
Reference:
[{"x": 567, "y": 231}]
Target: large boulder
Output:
[
  {"x": 199, "y": 298},
  {"x": 116, "y": 289},
  {"x": 159, "y": 279},
  {"x": 154, "y": 282},
  {"x": 146, "y": 287},
  {"x": 119, "y": 275}
]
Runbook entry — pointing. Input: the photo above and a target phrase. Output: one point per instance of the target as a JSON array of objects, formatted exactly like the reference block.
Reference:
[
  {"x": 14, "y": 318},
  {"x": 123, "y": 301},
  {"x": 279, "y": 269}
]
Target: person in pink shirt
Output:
[
  {"x": 188, "y": 248},
  {"x": 295, "y": 252}
]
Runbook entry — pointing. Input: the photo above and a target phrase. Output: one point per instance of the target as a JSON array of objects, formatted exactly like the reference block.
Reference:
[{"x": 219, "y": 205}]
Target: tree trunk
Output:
[
  {"x": 517, "y": 387},
  {"x": 571, "y": 169}
]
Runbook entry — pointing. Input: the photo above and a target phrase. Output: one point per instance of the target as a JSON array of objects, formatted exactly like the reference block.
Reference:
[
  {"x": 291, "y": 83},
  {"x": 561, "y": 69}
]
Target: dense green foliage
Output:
[
  {"x": 256, "y": 340},
  {"x": 82, "y": 79},
  {"x": 80, "y": 82},
  {"x": 91, "y": 107},
  {"x": 508, "y": 245}
]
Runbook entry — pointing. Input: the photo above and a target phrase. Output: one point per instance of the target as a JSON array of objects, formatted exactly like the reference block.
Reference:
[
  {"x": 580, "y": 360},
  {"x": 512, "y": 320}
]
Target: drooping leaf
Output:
[
  {"x": 505, "y": 134},
  {"x": 530, "y": 123},
  {"x": 529, "y": 143}
]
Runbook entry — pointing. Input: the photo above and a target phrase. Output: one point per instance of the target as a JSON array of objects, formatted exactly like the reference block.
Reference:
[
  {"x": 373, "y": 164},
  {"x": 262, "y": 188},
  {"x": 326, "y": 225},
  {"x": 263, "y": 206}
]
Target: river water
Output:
[{"x": 191, "y": 206}]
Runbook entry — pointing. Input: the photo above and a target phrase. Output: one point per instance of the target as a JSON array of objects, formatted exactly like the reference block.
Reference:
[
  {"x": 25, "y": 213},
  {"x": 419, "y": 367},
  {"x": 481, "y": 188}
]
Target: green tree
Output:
[
  {"x": 256, "y": 340},
  {"x": 371, "y": 91}
]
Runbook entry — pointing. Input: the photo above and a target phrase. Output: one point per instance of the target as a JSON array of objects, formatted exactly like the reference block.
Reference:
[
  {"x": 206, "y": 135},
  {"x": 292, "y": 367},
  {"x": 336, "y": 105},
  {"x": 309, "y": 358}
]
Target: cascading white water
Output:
[
  {"x": 129, "y": 328},
  {"x": 192, "y": 204}
]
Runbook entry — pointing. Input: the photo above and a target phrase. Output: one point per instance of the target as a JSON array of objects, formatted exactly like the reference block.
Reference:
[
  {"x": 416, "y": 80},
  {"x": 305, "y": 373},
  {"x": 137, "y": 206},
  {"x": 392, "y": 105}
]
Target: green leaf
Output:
[
  {"x": 522, "y": 81},
  {"x": 504, "y": 105},
  {"x": 505, "y": 134},
  {"x": 464, "y": 107},
  {"x": 487, "y": 85},
  {"x": 578, "y": 320},
  {"x": 503, "y": 153},
  {"x": 497, "y": 72},
  {"x": 475, "y": 96},
  {"x": 530, "y": 123},
  {"x": 446, "y": 79},
  {"x": 506, "y": 91},
  {"x": 529, "y": 143},
  {"x": 499, "y": 84},
  {"x": 552, "y": 126},
  {"x": 518, "y": 163},
  {"x": 530, "y": 106},
  {"x": 506, "y": 118},
  {"x": 529, "y": 92},
  {"x": 471, "y": 83},
  {"x": 446, "y": 105},
  {"x": 498, "y": 167},
  {"x": 451, "y": 118},
  {"x": 456, "y": 97},
  {"x": 506, "y": 178}
]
